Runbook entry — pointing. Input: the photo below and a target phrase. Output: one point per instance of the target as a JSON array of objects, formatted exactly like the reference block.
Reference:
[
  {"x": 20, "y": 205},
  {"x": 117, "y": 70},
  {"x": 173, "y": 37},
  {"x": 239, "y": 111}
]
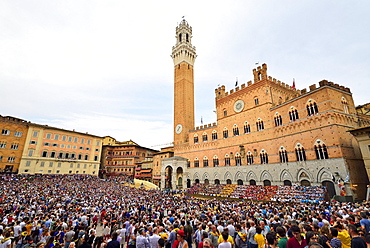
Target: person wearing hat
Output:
[{"x": 181, "y": 238}]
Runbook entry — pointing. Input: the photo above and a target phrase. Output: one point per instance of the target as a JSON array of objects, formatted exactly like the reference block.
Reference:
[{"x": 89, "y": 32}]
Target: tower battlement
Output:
[
  {"x": 337, "y": 86},
  {"x": 260, "y": 73}
]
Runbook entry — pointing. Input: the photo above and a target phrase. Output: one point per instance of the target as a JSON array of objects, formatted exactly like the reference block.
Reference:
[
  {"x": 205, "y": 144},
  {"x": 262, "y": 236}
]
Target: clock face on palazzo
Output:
[
  {"x": 238, "y": 106},
  {"x": 178, "y": 128}
]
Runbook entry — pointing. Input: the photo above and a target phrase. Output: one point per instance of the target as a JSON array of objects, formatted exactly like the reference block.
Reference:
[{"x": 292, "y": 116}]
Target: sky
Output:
[{"x": 104, "y": 67}]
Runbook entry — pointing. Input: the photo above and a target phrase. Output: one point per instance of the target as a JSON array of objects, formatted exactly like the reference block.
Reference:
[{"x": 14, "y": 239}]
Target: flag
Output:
[
  {"x": 293, "y": 86},
  {"x": 236, "y": 83},
  {"x": 201, "y": 120}
]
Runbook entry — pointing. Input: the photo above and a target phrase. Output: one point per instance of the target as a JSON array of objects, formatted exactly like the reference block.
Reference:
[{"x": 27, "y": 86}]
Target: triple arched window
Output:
[
  {"x": 235, "y": 130},
  {"x": 249, "y": 157},
  {"x": 283, "y": 155},
  {"x": 321, "y": 150},
  {"x": 264, "y": 157},
  {"x": 259, "y": 124},
  {"x": 238, "y": 159},
  {"x": 300, "y": 152},
  {"x": 293, "y": 114},
  {"x": 311, "y": 107},
  {"x": 278, "y": 120}
]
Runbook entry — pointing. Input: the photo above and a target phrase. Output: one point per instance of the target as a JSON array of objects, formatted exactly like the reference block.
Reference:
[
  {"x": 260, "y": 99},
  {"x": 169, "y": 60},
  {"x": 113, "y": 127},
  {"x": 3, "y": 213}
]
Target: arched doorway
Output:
[
  {"x": 266, "y": 183},
  {"x": 287, "y": 183},
  {"x": 206, "y": 181},
  {"x": 217, "y": 181},
  {"x": 228, "y": 181},
  {"x": 197, "y": 180},
  {"x": 252, "y": 182},
  {"x": 179, "y": 172},
  {"x": 239, "y": 182},
  {"x": 305, "y": 183},
  {"x": 188, "y": 183},
  {"x": 330, "y": 189},
  {"x": 168, "y": 177}
]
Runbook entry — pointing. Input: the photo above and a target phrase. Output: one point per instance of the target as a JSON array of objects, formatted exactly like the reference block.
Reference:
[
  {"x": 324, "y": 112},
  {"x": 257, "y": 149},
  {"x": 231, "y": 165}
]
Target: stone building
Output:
[
  {"x": 266, "y": 132},
  {"x": 51, "y": 150},
  {"x": 123, "y": 157},
  {"x": 12, "y": 139}
]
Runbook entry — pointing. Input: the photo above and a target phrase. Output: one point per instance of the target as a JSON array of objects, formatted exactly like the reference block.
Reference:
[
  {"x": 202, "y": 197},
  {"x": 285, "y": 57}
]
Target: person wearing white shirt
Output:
[{"x": 153, "y": 240}]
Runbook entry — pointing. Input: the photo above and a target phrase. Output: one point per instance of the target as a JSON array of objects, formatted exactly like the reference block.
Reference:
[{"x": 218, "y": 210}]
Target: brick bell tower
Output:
[{"x": 183, "y": 55}]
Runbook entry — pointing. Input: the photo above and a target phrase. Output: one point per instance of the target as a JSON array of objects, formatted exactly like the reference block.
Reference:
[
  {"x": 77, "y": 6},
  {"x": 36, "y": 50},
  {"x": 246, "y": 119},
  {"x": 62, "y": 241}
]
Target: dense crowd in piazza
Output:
[
  {"x": 84, "y": 211},
  {"x": 295, "y": 193}
]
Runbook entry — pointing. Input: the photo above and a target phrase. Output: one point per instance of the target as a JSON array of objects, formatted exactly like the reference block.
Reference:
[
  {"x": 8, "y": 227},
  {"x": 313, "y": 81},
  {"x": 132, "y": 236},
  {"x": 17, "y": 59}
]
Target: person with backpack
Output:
[{"x": 241, "y": 239}]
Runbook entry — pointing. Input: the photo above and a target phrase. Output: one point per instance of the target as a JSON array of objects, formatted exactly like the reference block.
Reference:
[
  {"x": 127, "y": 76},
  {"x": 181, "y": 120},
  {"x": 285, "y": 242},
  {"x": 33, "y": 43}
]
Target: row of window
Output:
[
  {"x": 58, "y": 172},
  {"x": 7, "y": 132},
  {"x": 13, "y": 146},
  {"x": 293, "y": 116},
  {"x": 63, "y": 155},
  {"x": 33, "y": 142},
  {"x": 66, "y": 138},
  {"x": 10, "y": 159},
  {"x": 300, "y": 154}
]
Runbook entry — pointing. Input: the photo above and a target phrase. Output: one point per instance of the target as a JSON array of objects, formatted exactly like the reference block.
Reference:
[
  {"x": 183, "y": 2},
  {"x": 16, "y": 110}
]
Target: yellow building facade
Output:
[
  {"x": 50, "y": 150},
  {"x": 266, "y": 133}
]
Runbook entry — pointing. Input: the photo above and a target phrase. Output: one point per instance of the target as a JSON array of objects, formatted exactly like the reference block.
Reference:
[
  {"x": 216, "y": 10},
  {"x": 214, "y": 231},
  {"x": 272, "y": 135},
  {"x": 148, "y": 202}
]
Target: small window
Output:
[
  {"x": 14, "y": 146},
  {"x": 2, "y": 144},
  {"x": 42, "y": 164},
  {"x": 50, "y": 164},
  {"x": 76, "y": 140},
  {"x": 56, "y": 137},
  {"x": 225, "y": 112},
  {"x": 64, "y": 138},
  {"x": 55, "y": 145},
  {"x": 70, "y": 139},
  {"x": 59, "y": 165},
  {"x": 214, "y": 135},
  {"x": 215, "y": 161},
  {"x": 18, "y": 134},
  {"x": 260, "y": 125},
  {"x": 283, "y": 155},
  {"x": 33, "y": 142},
  {"x": 247, "y": 128},
  {"x": 81, "y": 148},
  {"x": 11, "y": 159},
  {"x": 30, "y": 153},
  {"x": 48, "y": 136},
  {"x": 264, "y": 157},
  {"x": 35, "y": 134},
  {"x": 250, "y": 159},
  {"x": 300, "y": 153},
  {"x": 44, "y": 154},
  {"x": 28, "y": 163},
  {"x": 225, "y": 133},
  {"x": 311, "y": 108},
  {"x": 5, "y": 132},
  {"x": 86, "y": 157},
  {"x": 278, "y": 120},
  {"x": 46, "y": 144},
  {"x": 256, "y": 102},
  {"x": 204, "y": 137},
  {"x": 196, "y": 139},
  {"x": 235, "y": 130}
]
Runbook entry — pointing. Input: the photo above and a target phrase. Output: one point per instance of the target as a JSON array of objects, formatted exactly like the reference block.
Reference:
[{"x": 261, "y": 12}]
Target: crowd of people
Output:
[
  {"x": 295, "y": 193},
  {"x": 68, "y": 211}
]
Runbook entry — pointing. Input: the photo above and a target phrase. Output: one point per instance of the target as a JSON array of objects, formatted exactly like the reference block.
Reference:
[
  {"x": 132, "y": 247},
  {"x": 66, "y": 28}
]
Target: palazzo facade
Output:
[{"x": 266, "y": 133}]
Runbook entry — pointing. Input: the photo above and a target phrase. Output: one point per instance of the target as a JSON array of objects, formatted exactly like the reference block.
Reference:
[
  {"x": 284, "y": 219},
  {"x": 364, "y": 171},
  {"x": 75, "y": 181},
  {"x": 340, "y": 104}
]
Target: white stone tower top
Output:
[{"x": 184, "y": 51}]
